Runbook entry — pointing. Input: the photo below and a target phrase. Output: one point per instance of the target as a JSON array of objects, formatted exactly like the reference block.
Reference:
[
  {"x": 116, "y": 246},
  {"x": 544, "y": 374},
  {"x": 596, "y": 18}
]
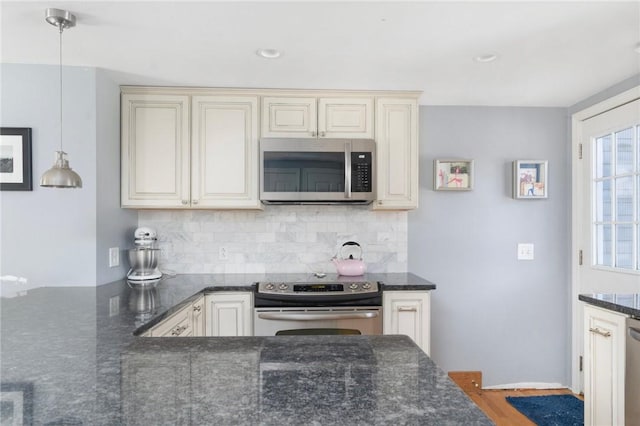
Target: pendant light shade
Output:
[{"x": 60, "y": 174}]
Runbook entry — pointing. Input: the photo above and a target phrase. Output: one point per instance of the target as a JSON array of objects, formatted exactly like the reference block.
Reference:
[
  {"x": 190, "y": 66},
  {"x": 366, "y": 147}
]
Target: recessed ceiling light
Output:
[
  {"x": 269, "y": 53},
  {"x": 487, "y": 57}
]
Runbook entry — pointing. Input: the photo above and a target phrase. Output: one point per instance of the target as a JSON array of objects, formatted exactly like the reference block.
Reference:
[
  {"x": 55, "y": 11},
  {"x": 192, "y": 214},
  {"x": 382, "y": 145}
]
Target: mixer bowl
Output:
[{"x": 144, "y": 260}]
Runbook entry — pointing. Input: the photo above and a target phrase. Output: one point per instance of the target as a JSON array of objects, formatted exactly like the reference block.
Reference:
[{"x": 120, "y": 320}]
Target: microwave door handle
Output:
[{"x": 347, "y": 169}]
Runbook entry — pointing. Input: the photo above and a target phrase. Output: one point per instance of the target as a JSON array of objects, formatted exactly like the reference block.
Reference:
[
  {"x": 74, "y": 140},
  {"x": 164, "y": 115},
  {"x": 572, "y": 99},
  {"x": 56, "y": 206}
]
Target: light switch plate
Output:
[
  {"x": 525, "y": 251},
  {"x": 114, "y": 257}
]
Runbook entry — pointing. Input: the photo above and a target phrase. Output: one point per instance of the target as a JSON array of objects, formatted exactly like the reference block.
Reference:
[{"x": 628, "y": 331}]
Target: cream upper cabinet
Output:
[
  {"x": 224, "y": 152},
  {"x": 397, "y": 153},
  {"x": 604, "y": 364},
  {"x": 181, "y": 151},
  {"x": 408, "y": 313},
  {"x": 317, "y": 117},
  {"x": 155, "y": 150}
]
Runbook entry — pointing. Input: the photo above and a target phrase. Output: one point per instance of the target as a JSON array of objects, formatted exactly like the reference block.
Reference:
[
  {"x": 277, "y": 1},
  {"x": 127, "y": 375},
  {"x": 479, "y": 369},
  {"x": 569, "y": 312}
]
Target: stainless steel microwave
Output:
[{"x": 317, "y": 171}]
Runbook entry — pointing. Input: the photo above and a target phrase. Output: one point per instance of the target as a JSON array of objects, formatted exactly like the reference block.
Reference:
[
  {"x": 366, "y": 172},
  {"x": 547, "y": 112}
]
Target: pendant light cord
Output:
[{"x": 61, "y": 27}]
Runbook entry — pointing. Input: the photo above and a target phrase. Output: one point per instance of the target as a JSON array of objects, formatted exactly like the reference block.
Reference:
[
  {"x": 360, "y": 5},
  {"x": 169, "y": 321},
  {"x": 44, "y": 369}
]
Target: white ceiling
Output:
[{"x": 550, "y": 53}]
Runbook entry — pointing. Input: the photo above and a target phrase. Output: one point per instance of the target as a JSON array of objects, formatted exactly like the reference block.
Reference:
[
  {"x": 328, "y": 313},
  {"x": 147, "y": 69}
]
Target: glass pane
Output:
[
  {"x": 624, "y": 246},
  {"x": 624, "y": 151},
  {"x": 603, "y": 156},
  {"x": 603, "y": 201},
  {"x": 304, "y": 171},
  {"x": 624, "y": 199},
  {"x": 603, "y": 245}
]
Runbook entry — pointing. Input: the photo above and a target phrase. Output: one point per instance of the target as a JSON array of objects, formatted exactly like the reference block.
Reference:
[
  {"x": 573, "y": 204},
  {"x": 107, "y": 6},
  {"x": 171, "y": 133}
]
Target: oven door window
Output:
[{"x": 304, "y": 171}]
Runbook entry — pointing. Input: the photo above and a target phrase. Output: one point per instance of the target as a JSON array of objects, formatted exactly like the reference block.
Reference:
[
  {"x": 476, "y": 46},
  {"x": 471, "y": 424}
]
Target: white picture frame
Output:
[
  {"x": 452, "y": 175},
  {"x": 530, "y": 179}
]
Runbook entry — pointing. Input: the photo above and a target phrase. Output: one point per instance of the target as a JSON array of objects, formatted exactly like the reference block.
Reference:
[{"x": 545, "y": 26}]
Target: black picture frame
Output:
[
  {"x": 16, "y": 403},
  {"x": 15, "y": 159}
]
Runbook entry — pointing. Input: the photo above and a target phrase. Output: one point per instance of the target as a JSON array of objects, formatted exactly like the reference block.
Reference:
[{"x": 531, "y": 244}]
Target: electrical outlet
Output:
[
  {"x": 525, "y": 251},
  {"x": 114, "y": 257},
  {"x": 223, "y": 254},
  {"x": 114, "y": 305}
]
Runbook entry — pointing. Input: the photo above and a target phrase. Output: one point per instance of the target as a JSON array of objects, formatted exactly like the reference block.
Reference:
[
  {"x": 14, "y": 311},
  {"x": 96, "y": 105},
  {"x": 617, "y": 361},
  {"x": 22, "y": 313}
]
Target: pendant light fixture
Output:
[{"x": 60, "y": 175}]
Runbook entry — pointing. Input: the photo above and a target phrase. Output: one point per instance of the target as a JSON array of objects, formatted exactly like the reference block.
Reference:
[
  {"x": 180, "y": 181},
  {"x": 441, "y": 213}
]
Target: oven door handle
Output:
[{"x": 302, "y": 316}]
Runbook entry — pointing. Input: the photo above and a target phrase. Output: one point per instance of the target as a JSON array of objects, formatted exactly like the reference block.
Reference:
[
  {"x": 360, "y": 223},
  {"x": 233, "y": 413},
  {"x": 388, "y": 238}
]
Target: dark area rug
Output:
[{"x": 550, "y": 410}]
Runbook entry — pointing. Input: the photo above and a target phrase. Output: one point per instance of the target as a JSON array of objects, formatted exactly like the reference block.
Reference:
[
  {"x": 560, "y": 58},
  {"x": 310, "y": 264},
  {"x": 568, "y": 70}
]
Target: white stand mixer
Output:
[{"x": 143, "y": 258}]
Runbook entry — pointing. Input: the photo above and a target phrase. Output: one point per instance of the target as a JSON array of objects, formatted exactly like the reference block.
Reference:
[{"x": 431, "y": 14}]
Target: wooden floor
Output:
[{"x": 496, "y": 407}]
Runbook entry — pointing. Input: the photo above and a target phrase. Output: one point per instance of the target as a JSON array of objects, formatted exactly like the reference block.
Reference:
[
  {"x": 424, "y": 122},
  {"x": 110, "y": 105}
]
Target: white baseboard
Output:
[{"x": 527, "y": 385}]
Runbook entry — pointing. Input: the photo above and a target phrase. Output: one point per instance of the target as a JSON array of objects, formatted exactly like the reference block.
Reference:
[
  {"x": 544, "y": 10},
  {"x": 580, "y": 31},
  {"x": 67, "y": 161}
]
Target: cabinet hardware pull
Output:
[
  {"x": 197, "y": 308},
  {"x": 600, "y": 332},
  {"x": 313, "y": 133},
  {"x": 407, "y": 309},
  {"x": 195, "y": 201},
  {"x": 178, "y": 330},
  {"x": 322, "y": 134},
  {"x": 185, "y": 202}
]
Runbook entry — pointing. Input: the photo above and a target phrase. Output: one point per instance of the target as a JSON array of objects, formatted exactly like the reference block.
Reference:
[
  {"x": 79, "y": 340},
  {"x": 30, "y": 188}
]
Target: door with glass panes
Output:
[{"x": 609, "y": 202}]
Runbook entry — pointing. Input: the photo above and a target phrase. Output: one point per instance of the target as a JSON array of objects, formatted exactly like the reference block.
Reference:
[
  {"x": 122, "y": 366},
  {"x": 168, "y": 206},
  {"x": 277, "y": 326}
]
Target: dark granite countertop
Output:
[
  {"x": 628, "y": 304},
  {"x": 289, "y": 380},
  {"x": 74, "y": 349}
]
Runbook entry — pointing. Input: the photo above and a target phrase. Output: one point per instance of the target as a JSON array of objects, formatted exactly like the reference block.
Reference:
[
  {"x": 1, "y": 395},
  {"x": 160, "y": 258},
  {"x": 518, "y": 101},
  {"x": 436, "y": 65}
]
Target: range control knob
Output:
[
  {"x": 366, "y": 286},
  {"x": 269, "y": 286},
  {"x": 283, "y": 286},
  {"x": 353, "y": 286}
]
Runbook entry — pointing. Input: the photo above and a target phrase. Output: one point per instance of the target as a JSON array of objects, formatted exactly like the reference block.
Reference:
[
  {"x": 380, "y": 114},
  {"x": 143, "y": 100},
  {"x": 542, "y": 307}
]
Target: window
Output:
[{"x": 616, "y": 198}]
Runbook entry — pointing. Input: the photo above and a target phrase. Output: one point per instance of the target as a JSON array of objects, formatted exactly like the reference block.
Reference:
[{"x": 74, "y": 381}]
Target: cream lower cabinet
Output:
[
  {"x": 183, "y": 151},
  {"x": 311, "y": 117},
  {"x": 604, "y": 363},
  {"x": 229, "y": 314},
  {"x": 397, "y": 154},
  {"x": 408, "y": 313},
  {"x": 187, "y": 322}
]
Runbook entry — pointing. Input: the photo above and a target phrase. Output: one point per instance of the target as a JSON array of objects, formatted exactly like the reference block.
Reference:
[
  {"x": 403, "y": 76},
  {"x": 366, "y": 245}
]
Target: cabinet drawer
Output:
[{"x": 179, "y": 324}]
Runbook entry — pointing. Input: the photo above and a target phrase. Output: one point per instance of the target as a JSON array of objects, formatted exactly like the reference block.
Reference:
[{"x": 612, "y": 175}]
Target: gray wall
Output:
[
  {"x": 48, "y": 235},
  {"x": 115, "y": 226},
  {"x": 492, "y": 312},
  {"x": 61, "y": 237}
]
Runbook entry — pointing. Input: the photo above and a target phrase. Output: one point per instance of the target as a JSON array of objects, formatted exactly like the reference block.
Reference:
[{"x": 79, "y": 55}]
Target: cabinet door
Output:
[
  {"x": 345, "y": 118},
  {"x": 224, "y": 152},
  {"x": 155, "y": 151},
  {"x": 179, "y": 324},
  {"x": 408, "y": 313},
  {"x": 289, "y": 117},
  {"x": 604, "y": 358},
  {"x": 229, "y": 314},
  {"x": 397, "y": 154},
  {"x": 198, "y": 317}
]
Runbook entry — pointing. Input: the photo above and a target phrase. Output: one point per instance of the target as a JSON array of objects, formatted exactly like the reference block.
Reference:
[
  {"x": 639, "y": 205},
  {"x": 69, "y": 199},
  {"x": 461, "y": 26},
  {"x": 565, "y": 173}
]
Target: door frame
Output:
[{"x": 576, "y": 306}]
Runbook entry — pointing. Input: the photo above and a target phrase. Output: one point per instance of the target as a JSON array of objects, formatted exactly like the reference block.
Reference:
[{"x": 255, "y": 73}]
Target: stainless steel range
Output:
[{"x": 336, "y": 307}]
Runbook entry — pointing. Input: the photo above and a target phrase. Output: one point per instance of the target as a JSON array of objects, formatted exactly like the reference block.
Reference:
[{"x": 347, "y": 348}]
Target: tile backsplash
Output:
[{"x": 279, "y": 239}]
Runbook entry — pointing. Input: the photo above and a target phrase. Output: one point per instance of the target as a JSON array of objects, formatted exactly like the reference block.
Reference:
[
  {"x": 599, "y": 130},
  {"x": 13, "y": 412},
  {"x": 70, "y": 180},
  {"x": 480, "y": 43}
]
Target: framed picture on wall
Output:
[
  {"x": 16, "y": 403},
  {"x": 15, "y": 159},
  {"x": 453, "y": 175},
  {"x": 530, "y": 179}
]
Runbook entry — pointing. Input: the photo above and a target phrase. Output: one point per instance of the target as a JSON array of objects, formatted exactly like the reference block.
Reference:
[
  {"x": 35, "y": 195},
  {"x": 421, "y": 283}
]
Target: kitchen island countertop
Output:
[
  {"x": 290, "y": 380},
  {"x": 73, "y": 350}
]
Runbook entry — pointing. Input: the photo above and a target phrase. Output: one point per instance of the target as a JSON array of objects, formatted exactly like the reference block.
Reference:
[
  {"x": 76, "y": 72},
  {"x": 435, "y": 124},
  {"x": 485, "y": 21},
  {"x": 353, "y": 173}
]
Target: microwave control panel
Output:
[{"x": 361, "y": 172}]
